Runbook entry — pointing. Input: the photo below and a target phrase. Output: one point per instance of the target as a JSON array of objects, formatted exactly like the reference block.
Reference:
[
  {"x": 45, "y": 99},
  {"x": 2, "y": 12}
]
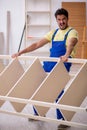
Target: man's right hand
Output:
[{"x": 15, "y": 55}]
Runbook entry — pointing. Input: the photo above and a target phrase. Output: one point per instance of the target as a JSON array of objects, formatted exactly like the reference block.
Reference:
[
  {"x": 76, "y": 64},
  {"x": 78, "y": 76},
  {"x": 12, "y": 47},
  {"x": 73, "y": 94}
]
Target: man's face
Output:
[{"x": 62, "y": 21}]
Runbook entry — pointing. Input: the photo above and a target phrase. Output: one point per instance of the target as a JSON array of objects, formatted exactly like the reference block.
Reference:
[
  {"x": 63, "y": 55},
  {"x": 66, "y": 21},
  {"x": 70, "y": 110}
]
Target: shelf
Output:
[
  {"x": 38, "y": 20},
  {"x": 32, "y": 37},
  {"x": 37, "y": 11},
  {"x": 38, "y": 5},
  {"x": 38, "y": 25}
]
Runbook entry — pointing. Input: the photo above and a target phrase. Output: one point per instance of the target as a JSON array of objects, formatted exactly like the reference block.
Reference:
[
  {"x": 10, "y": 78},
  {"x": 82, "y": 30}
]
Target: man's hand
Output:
[
  {"x": 64, "y": 58},
  {"x": 15, "y": 55}
]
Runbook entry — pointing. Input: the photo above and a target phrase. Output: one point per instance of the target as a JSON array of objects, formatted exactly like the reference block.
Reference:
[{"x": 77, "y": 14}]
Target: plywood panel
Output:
[
  {"x": 2, "y": 44},
  {"x": 76, "y": 92},
  {"x": 72, "y": 7},
  {"x": 2, "y": 66},
  {"x": 9, "y": 76},
  {"x": 8, "y": 31},
  {"x": 75, "y": 22},
  {"x": 51, "y": 87},
  {"x": 28, "y": 83},
  {"x": 79, "y": 52},
  {"x": 77, "y": 19},
  {"x": 84, "y": 50}
]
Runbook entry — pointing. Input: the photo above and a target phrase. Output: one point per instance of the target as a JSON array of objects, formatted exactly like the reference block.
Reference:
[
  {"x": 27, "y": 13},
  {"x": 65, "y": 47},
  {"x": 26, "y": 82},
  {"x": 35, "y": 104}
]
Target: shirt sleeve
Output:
[
  {"x": 49, "y": 35},
  {"x": 73, "y": 34}
]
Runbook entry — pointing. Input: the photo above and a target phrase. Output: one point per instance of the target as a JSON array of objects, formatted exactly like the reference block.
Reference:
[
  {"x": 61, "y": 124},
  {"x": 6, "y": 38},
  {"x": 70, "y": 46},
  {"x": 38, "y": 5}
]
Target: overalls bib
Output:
[{"x": 58, "y": 49}]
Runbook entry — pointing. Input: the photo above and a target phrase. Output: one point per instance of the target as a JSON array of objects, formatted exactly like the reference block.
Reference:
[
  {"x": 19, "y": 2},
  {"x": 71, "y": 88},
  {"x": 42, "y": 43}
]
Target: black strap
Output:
[{"x": 54, "y": 34}]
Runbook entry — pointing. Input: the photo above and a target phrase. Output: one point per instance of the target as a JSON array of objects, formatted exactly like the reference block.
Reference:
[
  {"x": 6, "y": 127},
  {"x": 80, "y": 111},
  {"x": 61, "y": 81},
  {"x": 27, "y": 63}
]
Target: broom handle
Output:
[{"x": 21, "y": 38}]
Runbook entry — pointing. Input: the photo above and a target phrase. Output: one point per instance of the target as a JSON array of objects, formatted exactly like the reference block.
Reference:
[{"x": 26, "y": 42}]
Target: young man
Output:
[{"x": 63, "y": 40}]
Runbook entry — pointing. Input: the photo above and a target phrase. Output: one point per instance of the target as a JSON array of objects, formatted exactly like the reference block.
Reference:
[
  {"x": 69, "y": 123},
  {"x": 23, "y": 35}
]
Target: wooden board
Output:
[
  {"x": 2, "y": 44},
  {"x": 28, "y": 83},
  {"x": 76, "y": 92},
  {"x": 8, "y": 32},
  {"x": 2, "y": 66},
  {"x": 9, "y": 76},
  {"x": 77, "y": 12},
  {"x": 51, "y": 87}
]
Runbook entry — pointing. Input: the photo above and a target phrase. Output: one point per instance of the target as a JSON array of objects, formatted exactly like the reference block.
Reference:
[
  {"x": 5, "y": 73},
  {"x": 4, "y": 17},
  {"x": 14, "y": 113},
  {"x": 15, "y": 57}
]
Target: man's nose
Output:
[{"x": 61, "y": 21}]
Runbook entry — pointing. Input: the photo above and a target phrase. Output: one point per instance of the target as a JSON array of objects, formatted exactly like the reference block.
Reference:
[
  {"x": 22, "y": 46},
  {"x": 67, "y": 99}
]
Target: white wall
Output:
[{"x": 17, "y": 20}]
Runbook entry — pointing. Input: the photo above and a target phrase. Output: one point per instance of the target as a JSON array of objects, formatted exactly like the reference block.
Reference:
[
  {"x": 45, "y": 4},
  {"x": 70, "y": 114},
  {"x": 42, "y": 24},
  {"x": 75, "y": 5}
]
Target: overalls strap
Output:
[
  {"x": 54, "y": 34},
  {"x": 67, "y": 34}
]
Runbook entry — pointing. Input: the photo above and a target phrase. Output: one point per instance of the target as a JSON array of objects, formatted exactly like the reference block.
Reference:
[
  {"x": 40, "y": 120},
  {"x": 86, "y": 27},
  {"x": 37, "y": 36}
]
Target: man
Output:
[{"x": 63, "y": 39}]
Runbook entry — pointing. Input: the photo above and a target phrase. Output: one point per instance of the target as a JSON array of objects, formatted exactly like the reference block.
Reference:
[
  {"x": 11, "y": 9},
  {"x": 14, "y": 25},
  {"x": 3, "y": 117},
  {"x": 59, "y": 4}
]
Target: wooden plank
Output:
[
  {"x": 2, "y": 66},
  {"x": 9, "y": 76},
  {"x": 76, "y": 92},
  {"x": 71, "y": 5},
  {"x": 8, "y": 32},
  {"x": 51, "y": 87},
  {"x": 28, "y": 83},
  {"x": 2, "y": 50},
  {"x": 2, "y": 43}
]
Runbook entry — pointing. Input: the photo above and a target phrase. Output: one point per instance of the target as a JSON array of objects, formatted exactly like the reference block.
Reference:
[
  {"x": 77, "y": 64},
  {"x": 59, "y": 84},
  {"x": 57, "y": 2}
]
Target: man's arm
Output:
[
  {"x": 71, "y": 44},
  {"x": 32, "y": 47}
]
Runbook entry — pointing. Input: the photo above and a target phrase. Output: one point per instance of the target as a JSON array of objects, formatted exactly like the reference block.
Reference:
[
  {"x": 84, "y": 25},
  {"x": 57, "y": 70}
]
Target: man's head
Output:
[{"x": 61, "y": 16}]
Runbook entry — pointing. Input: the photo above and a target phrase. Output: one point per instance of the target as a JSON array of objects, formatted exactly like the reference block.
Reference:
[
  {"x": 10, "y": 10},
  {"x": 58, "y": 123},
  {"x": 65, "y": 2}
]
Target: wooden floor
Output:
[{"x": 11, "y": 122}]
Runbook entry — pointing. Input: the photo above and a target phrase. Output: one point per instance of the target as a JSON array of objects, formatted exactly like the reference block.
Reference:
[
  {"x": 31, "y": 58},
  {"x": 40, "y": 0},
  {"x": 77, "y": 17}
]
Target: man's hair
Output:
[{"x": 61, "y": 11}]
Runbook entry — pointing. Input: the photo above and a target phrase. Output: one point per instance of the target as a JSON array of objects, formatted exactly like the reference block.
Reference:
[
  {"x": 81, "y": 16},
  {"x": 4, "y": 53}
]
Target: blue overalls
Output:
[{"x": 58, "y": 49}]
